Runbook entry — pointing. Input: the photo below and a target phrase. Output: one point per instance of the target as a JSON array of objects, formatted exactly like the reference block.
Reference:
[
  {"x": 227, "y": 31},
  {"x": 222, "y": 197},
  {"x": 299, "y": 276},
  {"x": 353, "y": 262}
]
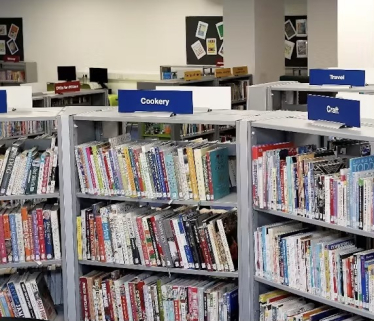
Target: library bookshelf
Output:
[
  {"x": 50, "y": 115},
  {"x": 295, "y": 127},
  {"x": 85, "y": 127}
]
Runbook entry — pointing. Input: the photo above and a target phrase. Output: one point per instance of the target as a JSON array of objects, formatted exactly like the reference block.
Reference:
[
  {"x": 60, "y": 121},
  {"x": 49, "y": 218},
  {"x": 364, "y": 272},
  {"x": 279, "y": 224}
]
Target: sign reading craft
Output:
[
  {"x": 337, "y": 77},
  {"x": 345, "y": 111},
  {"x": 67, "y": 87},
  {"x": 177, "y": 102}
]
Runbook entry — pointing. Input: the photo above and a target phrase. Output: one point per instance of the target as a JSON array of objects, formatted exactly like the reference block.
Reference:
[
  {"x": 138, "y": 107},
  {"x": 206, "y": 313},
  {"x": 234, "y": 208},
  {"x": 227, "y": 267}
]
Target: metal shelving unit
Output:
[
  {"x": 45, "y": 114},
  {"x": 83, "y": 127},
  {"x": 292, "y": 127},
  {"x": 29, "y": 68},
  {"x": 87, "y": 97}
]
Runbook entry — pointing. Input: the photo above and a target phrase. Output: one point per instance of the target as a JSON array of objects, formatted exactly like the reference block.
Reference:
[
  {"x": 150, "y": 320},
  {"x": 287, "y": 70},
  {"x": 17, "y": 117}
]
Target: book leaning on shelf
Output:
[
  {"x": 28, "y": 171},
  {"x": 26, "y": 296},
  {"x": 314, "y": 183},
  {"x": 284, "y": 306},
  {"x": 324, "y": 263},
  {"x": 195, "y": 170},
  {"x": 29, "y": 233},
  {"x": 114, "y": 296},
  {"x": 181, "y": 237}
]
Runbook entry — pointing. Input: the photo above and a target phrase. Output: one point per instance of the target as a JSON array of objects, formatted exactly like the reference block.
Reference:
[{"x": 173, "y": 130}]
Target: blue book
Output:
[
  {"x": 356, "y": 165},
  {"x": 172, "y": 179},
  {"x": 232, "y": 305},
  {"x": 367, "y": 257},
  {"x": 13, "y": 232},
  {"x": 13, "y": 292},
  {"x": 134, "y": 171},
  {"x": 219, "y": 166},
  {"x": 186, "y": 247},
  {"x": 160, "y": 172},
  {"x": 324, "y": 314},
  {"x": 48, "y": 232},
  {"x": 117, "y": 186}
]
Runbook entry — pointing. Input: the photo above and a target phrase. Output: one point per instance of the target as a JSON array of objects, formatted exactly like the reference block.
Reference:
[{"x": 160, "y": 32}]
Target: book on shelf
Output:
[
  {"x": 319, "y": 184},
  {"x": 29, "y": 233},
  {"x": 190, "y": 129},
  {"x": 325, "y": 263},
  {"x": 284, "y": 306},
  {"x": 181, "y": 237},
  {"x": 9, "y": 129},
  {"x": 28, "y": 171},
  {"x": 26, "y": 296},
  {"x": 12, "y": 75},
  {"x": 238, "y": 89},
  {"x": 146, "y": 296},
  {"x": 197, "y": 170}
]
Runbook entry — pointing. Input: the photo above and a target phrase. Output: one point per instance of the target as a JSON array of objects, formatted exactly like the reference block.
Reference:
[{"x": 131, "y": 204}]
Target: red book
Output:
[
  {"x": 143, "y": 240},
  {"x": 207, "y": 259},
  {"x": 282, "y": 163},
  {"x": 133, "y": 301},
  {"x": 100, "y": 235},
  {"x": 193, "y": 303},
  {"x": 110, "y": 178},
  {"x": 3, "y": 255},
  {"x": 124, "y": 303},
  {"x": 83, "y": 289},
  {"x": 109, "y": 296},
  {"x": 92, "y": 240},
  {"x": 142, "y": 315},
  {"x": 45, "y": 173},
  {"x": 91, "y": 171},
  {"x": 176, "y": 289},
  {"x": 39, "y": 215}
]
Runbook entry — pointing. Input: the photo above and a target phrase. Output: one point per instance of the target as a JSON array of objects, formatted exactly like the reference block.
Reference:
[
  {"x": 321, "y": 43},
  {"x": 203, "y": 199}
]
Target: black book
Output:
[
  {"x": 154, "y": 241},
  {"x": 27, "y": 298},
  {"x": 191, "y": 240},
  {"x": 32, "y": 184}
]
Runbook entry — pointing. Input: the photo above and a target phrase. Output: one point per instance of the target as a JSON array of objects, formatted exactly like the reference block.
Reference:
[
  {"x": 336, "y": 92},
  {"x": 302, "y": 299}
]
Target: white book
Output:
[
  {"x": 52, "y": 166},
  {"x": 55, "y": 233},
  {"x": 41, "y": 173},
  {"x": 32, "y": 297},
  {"x": 81, "y": 176},
  {"x": 327, "y": 199},
  {"x": 104, "y": 176},
  {"x": 96, "y": 189},
  {"x": 21, "y": 296},
  {"x": 13, "y": 175},
  {"x": 21, "y": 174},
  {"x": 4, "y": 163},
  {"x": 20, "y": 241},
  {"x": 138, "y": 241},
  {"x": 180, "y": 243},
  {"x": 217, "y": 258},
  {"x": 184, "y": 194},
  {"x": 117, "y": 251}
]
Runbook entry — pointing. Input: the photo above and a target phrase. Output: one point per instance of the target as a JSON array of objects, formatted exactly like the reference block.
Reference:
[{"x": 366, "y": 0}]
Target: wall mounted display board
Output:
[
  {"x": 11, "y": 37},
  {"x": 204, "y": 40},
  {"x": 296, "y": 41}
]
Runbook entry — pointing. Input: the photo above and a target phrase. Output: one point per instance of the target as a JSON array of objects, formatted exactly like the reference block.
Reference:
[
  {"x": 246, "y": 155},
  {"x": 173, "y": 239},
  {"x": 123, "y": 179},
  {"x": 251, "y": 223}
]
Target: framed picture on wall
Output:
[
  {"x": 289, "y": 30},
  {"x": 302, "y": 49},
  {"x": 301, "y": 28}
]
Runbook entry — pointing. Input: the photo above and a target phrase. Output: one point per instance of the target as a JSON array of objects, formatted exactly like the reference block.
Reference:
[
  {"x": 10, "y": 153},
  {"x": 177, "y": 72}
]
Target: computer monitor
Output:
[
  {"x": 66, "y": 73},
  {"x": 99, "y": 75}
]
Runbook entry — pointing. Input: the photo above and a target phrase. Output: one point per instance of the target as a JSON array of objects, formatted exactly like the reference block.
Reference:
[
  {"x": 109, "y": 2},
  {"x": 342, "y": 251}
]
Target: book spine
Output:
[
  {"x": 178, "y": 241},
  {"x": 210, "y": 180},
  {"x": 39, "y": 182},
  {"x": 206, "y": 178},
  {"x": 26, "y": 236},
  {"x": 8, "y": 239},
  {"x": 39, "y": 214},
  {"x": 15, "y": 299},
  {"x": 184, "y": 243},
  {"x": 13, "y": 231},
  {"x": 79, "y": 238},
  {"x": 100, "y": 235},
  {"x": 135, "y": 173},
  {"x": 56, "y": 235},
  {"x": 8, "y": 169},
  {"x": 92, "y": 234},
  {"x": 31, "y": 235},
  {"x": 143, "y": 241},
  {"x": 191, "y": 242},
  {"x": 198, "y": 243},
  {"x": 16, "y": 168},
  {"x": 3, "y": 254},
  {"x": 192, "y": 168},
  {"x": 166, "y": 258},
  {"x": 28, "y": 301},
  {"x": 20, "y": 243},
  {"x": 154, "y": 242},
  {"x": 164, "y": 174},
  {"x": 85, "y": 304},
  {"x": 156, "y": 234},
  {"x": 46, "y": 173},
  {"x": 47, "y": 224},
  {"x": 139, "y": 173},
  {"x": 206, "y": 253}
]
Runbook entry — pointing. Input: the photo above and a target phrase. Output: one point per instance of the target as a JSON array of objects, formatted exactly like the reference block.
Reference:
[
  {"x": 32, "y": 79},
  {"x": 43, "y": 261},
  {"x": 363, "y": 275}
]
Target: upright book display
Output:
[
  {"x": 108, "y": 183},
  {"x": 31, "y": 215},
  {"x": 312, "y": 220}
]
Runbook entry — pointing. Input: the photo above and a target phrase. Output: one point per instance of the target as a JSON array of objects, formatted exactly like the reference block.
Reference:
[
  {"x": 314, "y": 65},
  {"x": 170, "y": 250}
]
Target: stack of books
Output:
[
  {"x": 195, "y": 170},
  {"x": 323, "y": 263},
  {"x": 284, "y": 306},
  {"x": 26, "y": 296},
  {"x": 314, "y": 183},
  {"x": 29, "y": 233},
  {"x": 27, "y": 171},
  {"x": 182, "y": 237},
  {"x": 114, "y": 296}
]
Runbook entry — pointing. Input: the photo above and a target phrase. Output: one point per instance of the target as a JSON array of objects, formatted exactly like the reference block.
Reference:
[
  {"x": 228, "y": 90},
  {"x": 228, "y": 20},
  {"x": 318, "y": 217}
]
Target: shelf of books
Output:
[
  {"x": 31, "y": 219},
  {"x": 156, "y": 221},
  {"x": 313, "y": 225}
]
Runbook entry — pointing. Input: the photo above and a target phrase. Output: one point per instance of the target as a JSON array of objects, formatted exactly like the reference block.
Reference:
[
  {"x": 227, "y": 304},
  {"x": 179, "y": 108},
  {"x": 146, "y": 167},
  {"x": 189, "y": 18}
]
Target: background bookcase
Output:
[
  {"x": 81, "y": 128},
  {"x": 45, "y": 114},
  {"x": 294, "y": 127},
  {"x": 21, "y": 72}
]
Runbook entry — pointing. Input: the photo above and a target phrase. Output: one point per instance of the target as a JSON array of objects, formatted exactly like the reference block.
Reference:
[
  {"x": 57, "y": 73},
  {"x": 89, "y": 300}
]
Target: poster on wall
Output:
[
  {"x": 11, "y": 37},
  {"x": 204, "y": 40},
  {"x": 296, "y": 41}
]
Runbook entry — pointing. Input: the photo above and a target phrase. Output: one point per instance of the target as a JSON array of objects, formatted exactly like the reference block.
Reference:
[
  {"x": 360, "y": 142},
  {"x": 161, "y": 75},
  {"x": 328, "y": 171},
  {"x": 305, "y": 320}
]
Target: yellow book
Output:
[
  {"x": 192, "y": 170},
  {"x": 130, "y": 174},
  {"x": 79, "y": 238},
  {"x": 263, "y": 298}
]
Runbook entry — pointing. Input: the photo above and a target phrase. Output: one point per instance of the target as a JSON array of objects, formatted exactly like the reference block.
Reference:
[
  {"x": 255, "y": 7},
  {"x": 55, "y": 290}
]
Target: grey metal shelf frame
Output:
[
  {"x": 45, "y": 114},
  {"x": 292, "y": 126},
  {"x": 82, "y": 127}
]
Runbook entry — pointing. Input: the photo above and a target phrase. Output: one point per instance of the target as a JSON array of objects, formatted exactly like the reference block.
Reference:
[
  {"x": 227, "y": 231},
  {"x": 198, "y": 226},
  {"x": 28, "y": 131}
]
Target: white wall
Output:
[
  {"x": 132, "y": 37},
  {"x": 295, "y": 7},
  {"x": 355, "y": 34},
  {"x": 323, "y": 33}
]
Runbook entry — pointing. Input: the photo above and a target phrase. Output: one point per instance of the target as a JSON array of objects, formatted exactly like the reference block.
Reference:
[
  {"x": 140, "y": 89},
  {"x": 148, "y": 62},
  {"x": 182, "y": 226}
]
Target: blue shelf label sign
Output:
[
  {"x": 3, "y": 102},
  {"x": 345, "y": 111},
  {"x": 177, "y": 102},
  {"x": 337, "y": 77}
]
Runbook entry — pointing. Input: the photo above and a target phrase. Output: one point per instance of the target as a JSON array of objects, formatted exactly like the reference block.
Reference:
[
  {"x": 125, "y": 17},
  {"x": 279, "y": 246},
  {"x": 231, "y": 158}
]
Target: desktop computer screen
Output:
[
  {"x": 99, "y": 75},
  {"x": 66, "y": 73}
]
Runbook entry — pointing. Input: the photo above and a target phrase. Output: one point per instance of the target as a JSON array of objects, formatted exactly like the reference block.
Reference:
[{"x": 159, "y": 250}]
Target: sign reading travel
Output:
[
  {"x": 337, "y": 77},
  {"x": 223, "y": 72},
  {"x": 67, "y": 87},
  {"x": 193, "y": 75},
  {"x": 177, "y": 102},
  {"x": 3, "y": 102},
  {"x": 345, "y": 111},
  {"x": 240, "y": 71},
  {"x": 11, "y": 58}
]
